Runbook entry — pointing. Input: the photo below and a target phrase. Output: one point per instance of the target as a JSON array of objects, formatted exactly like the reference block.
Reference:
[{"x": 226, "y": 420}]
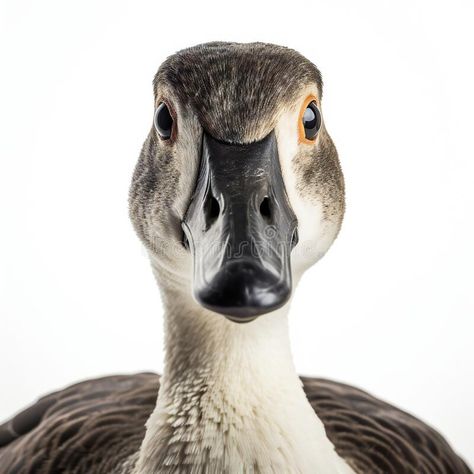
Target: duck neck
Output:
[{"x": 230, "y": 397}]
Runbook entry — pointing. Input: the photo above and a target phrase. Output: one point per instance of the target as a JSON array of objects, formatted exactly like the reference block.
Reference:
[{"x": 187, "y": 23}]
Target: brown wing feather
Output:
[
  {"x": 91, "y": 427},
  {"x": 375, "y": 437},
  {"x": 94, "y": 426}
]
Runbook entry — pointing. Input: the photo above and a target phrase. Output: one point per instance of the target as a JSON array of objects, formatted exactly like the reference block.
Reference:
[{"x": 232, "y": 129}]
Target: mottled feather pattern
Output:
[
  {"x": 96, "y": 427},
  {"x": 375, "y": 437},
  {"x": 91, "y": 427}
]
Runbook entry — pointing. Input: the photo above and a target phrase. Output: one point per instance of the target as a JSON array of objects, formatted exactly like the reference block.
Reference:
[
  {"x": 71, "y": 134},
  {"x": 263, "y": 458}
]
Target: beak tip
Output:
[{"x": 242, "y": 291}]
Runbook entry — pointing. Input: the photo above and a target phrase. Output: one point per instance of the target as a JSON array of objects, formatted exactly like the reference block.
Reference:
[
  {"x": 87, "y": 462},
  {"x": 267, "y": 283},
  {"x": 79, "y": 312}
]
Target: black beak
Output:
[{"x": 240, "y": 229}]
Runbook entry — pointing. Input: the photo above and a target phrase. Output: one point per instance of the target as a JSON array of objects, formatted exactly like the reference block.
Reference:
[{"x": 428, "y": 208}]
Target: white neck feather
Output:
[{"x": 230, "y": 399}]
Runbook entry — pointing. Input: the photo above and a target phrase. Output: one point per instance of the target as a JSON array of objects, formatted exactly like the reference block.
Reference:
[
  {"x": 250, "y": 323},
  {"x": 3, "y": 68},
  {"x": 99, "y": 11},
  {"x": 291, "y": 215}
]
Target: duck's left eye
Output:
[
  {"x": 311, "y": 121},
  {"x": 163, "y": 121}
]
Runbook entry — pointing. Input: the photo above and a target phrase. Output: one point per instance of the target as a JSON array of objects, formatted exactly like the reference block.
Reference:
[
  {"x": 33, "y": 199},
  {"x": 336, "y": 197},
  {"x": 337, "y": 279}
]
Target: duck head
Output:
[{"x": 238, "y": 188}]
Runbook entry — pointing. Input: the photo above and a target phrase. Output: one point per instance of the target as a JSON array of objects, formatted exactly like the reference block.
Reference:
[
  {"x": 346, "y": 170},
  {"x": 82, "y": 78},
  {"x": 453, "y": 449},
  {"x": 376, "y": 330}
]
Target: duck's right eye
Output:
[{"x": 163, "y": 121}]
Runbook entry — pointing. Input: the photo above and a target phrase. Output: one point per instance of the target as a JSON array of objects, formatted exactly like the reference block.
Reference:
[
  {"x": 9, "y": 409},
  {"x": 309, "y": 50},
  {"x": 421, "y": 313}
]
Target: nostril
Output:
[
  {"x": 265, "y": 209},
  {"x": 212, "y": 210},
  {"x": 184, "y": 241},
  {"x": 294, "y": 238}
]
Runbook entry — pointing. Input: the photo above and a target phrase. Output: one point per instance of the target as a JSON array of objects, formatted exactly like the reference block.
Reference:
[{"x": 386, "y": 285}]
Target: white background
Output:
[{"x": 389, "y": 309}]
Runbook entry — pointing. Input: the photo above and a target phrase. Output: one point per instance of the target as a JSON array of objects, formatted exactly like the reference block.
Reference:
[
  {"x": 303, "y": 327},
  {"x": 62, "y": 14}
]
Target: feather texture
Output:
[{"x": 97, "y": 426}]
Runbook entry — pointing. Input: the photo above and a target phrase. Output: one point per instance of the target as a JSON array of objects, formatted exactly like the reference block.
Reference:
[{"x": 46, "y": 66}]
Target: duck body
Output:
[
  {"x": 237, "y": 191},
  {"x": 97, "y": 427}
]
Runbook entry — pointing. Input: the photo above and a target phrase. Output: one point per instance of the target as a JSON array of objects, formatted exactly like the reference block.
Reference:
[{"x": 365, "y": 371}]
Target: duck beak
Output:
[{"x": 240, "y": 229}]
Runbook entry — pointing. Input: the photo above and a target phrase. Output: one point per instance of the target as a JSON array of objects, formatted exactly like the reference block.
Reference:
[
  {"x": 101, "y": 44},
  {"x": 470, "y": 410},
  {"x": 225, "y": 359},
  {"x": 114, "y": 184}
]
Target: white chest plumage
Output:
[{"x": 231, "y": 402}]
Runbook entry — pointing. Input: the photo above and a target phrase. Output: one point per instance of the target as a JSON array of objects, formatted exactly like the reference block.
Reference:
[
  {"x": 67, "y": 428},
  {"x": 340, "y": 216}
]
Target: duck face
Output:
[{"x": 238, "y": 188}]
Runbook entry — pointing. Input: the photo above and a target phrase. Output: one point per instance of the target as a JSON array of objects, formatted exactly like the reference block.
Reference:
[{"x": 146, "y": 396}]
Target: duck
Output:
[{"x": 238, "y": 190}]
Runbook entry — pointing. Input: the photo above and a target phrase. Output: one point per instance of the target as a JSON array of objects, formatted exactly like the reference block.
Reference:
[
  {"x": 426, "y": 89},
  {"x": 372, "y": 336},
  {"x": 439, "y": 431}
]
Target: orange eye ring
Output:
[{"x": 301, "y": 128}]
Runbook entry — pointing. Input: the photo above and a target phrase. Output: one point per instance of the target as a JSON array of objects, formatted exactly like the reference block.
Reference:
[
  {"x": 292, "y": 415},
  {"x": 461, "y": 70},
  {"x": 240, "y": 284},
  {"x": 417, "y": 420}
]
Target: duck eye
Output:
[
  {"x": 311, "y": 121},
  {"x": 163, "y": 121}
]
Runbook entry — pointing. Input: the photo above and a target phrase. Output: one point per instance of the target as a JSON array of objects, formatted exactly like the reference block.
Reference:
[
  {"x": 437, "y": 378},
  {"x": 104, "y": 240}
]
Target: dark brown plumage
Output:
[{"x": 94, "y": 426}]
